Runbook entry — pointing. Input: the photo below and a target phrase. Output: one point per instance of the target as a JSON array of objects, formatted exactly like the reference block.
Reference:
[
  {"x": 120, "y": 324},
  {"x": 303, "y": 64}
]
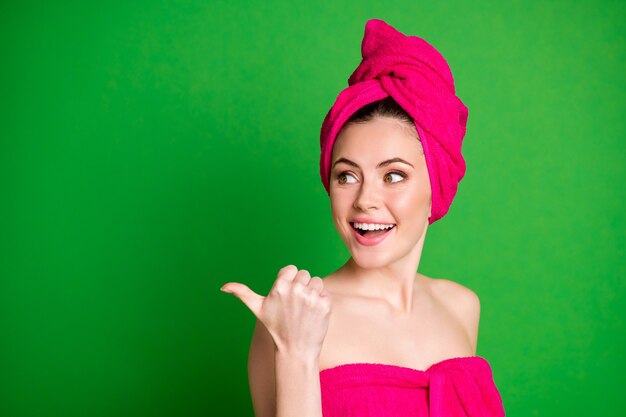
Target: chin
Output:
[{"x": 371, "y": 260}]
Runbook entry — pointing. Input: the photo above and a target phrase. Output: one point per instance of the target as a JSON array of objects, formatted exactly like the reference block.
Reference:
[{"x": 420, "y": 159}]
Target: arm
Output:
[
  {"x": 283, "y": 362},
  {"x": 280, "y": 379},
  {"x": 297, "y": 386},
  {"x": 465, "y": 305},
  {"x": 261, "y": 372},
  {"x": 467, "y": 308},
  {"x": 473, "y": 318}
]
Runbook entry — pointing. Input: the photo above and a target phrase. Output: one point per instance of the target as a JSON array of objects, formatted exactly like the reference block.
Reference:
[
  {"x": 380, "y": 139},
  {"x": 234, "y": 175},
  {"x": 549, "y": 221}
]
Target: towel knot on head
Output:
[{"x": 415, "y": 75}]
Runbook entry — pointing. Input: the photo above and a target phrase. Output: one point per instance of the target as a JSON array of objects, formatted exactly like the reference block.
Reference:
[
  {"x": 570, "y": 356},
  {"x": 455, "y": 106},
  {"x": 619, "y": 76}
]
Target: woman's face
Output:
[{"x": 380, "y": 193}]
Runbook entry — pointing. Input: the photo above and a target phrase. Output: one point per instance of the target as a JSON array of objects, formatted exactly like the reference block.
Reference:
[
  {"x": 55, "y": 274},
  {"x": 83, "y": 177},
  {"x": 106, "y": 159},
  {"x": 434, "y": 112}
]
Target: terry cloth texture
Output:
[
  {"x": 413, "y": 73},
  {"x": 456, "y": 387}
]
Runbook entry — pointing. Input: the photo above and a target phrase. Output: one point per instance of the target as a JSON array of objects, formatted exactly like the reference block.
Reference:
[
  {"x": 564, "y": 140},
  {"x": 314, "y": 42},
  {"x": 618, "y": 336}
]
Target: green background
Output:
[{"x": 151, "y": 151}]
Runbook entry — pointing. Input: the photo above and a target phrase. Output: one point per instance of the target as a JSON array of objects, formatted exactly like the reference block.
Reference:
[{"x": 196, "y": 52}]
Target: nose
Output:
[{"x": 367, "y": 198}]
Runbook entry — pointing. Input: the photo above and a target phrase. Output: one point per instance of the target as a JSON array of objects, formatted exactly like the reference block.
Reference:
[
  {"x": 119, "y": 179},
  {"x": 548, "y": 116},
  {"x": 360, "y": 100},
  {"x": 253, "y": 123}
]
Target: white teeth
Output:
[{"x": 372, "y": 226}]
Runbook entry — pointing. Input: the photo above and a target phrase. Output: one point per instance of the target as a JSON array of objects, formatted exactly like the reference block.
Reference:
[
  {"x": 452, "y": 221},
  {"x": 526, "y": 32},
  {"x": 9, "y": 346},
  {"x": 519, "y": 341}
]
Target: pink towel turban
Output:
[{"x": 413, "y": 73}]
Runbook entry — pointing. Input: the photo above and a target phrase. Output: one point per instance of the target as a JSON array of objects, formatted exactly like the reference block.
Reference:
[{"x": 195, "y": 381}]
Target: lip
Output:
[
  {"x": 371, "y": 241},
  {"x": 366, "y": 220}
]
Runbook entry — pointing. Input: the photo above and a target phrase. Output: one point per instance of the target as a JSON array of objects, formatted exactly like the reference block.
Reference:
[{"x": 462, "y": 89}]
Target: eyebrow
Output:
[{"x": 382, "y": 164}]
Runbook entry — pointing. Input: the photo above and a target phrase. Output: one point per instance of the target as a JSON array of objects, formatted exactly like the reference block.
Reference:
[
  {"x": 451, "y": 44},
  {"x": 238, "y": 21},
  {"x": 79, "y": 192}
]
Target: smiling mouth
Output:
[{"x": 371, "y": 230}]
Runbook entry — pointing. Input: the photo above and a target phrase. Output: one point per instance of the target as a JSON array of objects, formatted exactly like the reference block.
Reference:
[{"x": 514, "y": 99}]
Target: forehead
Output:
[{"x": 377, "y": 139}]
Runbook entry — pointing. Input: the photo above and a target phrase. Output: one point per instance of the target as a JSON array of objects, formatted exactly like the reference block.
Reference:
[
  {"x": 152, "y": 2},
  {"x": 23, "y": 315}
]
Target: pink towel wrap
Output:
[
  {"x": 456, "y": 387},
  {"x": 413, "y": 73}
]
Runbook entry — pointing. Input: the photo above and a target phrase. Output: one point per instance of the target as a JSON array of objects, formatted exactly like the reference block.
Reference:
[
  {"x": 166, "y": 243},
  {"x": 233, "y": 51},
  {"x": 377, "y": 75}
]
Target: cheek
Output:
[
  {"x": 411, "y": 201},
  {"x": 339, "y": 203},
  {"x": 342, "y": 197}
]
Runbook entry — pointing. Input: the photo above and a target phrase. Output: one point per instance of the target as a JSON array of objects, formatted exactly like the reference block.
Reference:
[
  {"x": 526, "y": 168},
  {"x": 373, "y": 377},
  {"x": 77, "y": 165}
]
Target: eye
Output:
[
  {"x": 346, "y": 178},
  {"x": 394, "y": 177}
]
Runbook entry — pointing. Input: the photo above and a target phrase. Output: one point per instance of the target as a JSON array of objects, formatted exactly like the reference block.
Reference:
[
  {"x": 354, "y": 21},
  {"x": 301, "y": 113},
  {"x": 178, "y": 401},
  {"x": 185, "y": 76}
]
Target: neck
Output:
[{"x": 393, "y": 283}]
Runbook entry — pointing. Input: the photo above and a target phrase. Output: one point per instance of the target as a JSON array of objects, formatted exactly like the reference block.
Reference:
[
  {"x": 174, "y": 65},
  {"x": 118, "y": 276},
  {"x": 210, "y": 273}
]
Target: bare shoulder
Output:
[
  {"x": 455, "y": 294},
  {"x": 461, "y": 302},
  {"x": 261, "y": 375}
]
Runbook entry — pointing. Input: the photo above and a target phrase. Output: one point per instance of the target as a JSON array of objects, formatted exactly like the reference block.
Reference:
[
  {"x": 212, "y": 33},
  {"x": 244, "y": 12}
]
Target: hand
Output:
[{"x": 296, "y": 311}]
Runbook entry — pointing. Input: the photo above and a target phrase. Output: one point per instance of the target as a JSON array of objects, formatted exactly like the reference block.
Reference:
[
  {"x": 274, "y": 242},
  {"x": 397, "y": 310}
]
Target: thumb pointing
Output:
[{"x": 251, "y": 299}]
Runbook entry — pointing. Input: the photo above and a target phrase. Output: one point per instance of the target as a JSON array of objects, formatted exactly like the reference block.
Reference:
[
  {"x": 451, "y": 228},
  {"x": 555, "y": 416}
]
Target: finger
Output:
[
  {"x": 251, "y": 299},
  {"x": 302, "y": 277},
  {"x": 316, "y": 284},
  {"x": 324, "y": 293},
  {"x": 285, "y": 278},
  {"x": 288, "y": 272}
]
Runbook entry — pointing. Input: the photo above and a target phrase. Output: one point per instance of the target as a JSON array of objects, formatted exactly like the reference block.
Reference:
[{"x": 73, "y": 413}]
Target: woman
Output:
[{"x": 397, "y": 343}]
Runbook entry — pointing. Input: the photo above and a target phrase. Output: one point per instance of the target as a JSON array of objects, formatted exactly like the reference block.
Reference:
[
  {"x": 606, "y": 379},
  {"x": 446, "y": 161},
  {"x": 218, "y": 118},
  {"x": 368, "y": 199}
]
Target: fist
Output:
[{"x": 295, "y": 312}]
